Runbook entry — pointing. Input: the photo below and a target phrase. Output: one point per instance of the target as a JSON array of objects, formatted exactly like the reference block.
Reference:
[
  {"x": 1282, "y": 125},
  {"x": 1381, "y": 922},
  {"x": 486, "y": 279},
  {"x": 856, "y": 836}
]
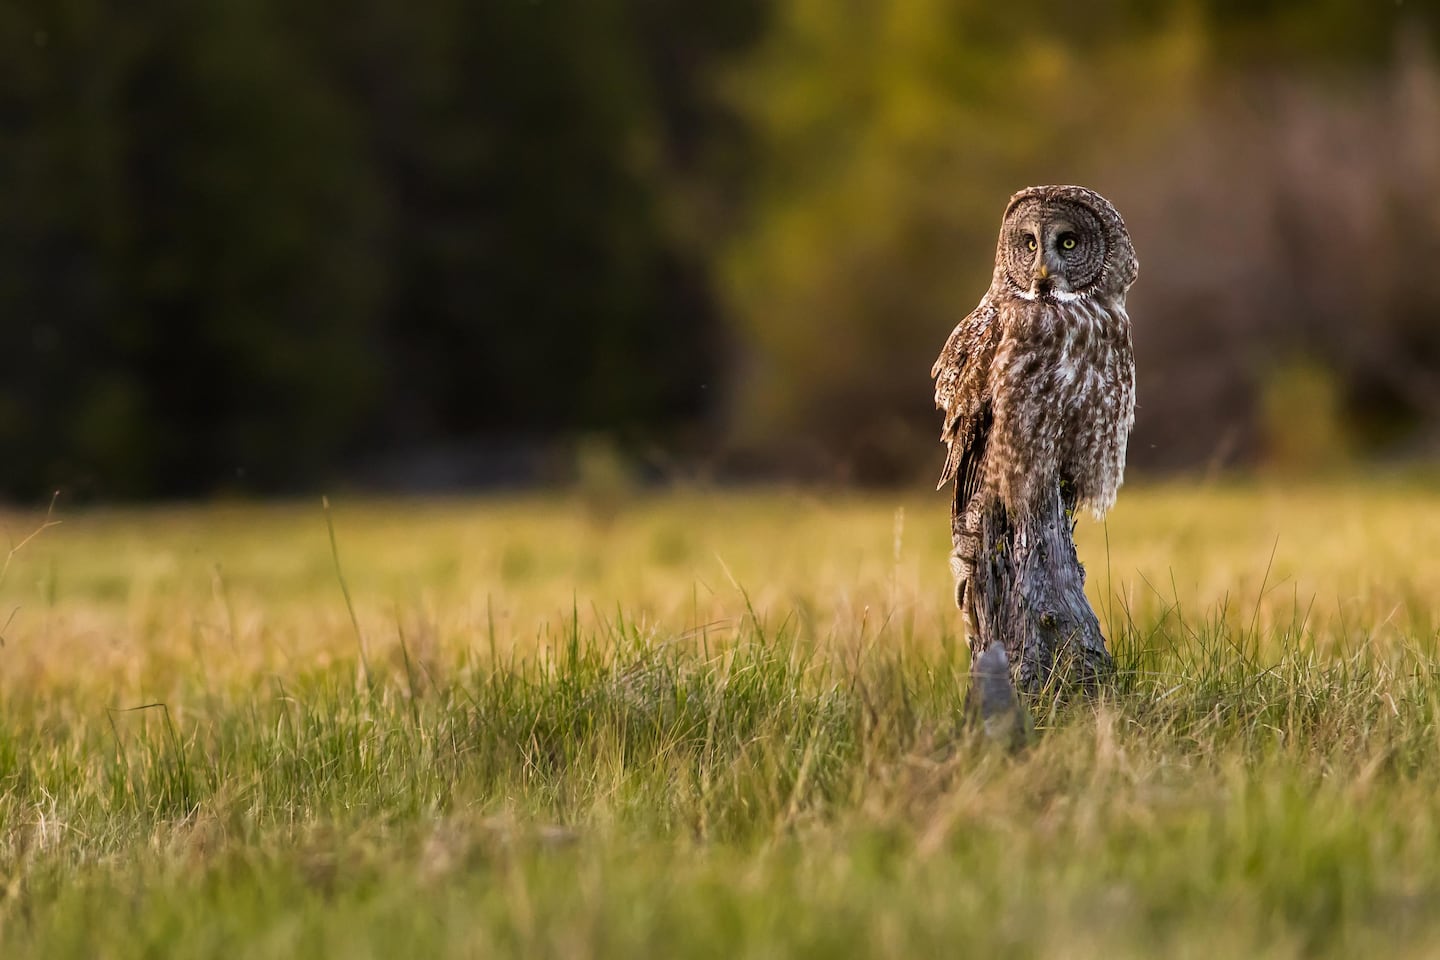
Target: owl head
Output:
[{"x": 1064, "y": 243}]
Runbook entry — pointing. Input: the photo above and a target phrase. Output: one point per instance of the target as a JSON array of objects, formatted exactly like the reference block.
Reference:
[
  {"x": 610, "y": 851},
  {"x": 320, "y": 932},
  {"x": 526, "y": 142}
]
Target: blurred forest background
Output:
[{"x": 259, "y": 245}]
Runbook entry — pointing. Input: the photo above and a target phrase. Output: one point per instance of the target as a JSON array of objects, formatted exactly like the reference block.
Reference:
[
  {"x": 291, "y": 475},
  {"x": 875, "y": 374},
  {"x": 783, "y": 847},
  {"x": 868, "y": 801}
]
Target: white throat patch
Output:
[{"x": 1059, "y": 296}]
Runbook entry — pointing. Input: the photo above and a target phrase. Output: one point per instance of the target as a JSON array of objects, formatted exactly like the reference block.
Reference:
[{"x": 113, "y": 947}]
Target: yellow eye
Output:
[
  {"x": 1030, "y": 243},
  {"x": 1068, "y": 243}
]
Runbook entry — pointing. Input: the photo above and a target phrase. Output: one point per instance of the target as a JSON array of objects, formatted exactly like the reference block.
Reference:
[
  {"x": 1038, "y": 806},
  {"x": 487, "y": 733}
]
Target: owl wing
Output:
[{"x": 962, "y": 393}]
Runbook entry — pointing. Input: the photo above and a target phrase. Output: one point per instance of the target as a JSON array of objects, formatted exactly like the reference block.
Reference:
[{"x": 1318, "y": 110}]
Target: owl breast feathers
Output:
[
  {"x": 1035, "y": 393},
  {"x": 1037, "y": 384}
]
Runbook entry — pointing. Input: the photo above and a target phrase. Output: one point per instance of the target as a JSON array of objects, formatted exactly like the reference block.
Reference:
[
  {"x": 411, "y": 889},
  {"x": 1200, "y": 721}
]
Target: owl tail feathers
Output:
[{"x": 993, "y": 699}]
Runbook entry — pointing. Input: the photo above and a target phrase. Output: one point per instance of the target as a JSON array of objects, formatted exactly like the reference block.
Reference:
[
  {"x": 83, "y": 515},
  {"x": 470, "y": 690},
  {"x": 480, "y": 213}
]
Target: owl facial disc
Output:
[{"x": 1063, "y": 243}]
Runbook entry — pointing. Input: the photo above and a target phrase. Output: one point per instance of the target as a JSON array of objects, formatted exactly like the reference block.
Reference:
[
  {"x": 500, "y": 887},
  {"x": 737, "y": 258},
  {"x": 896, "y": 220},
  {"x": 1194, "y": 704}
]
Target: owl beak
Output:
[{"x": 1041, "y": 285}]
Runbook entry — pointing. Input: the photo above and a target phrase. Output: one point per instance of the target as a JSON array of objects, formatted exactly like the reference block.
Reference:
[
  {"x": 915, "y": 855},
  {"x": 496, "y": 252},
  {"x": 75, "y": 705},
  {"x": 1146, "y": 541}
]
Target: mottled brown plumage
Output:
[{"x": 1037, "y": 384}]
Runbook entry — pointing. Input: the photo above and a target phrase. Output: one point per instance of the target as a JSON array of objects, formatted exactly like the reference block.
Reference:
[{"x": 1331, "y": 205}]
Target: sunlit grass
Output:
[{"x": 715, "y": 726}]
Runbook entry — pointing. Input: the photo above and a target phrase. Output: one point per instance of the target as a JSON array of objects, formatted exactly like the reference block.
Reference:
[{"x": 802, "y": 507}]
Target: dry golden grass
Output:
[{"x": 118, "y": 600}]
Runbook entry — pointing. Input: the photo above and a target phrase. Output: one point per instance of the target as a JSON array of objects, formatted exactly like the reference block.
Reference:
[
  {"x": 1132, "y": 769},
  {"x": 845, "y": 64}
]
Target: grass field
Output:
[{"x": 711, "y": 726}]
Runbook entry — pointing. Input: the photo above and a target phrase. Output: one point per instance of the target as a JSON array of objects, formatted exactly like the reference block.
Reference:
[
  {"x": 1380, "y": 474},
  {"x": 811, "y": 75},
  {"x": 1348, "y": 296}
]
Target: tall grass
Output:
[{"x": 712, "y": 727}]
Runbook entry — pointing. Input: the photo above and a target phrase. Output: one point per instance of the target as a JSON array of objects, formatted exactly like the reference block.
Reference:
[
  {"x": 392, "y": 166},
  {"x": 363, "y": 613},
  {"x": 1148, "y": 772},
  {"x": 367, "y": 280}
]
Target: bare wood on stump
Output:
[{"x": 1027, "y": 596}]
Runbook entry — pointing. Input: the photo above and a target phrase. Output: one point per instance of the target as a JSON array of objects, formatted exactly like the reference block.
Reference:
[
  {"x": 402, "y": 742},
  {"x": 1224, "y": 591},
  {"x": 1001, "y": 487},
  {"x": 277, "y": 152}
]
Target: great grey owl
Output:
[{"x": 1037, "y": 384}]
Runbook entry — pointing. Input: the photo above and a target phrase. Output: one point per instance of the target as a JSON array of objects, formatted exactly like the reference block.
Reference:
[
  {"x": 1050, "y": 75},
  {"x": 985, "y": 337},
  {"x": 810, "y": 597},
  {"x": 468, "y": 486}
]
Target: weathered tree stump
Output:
[{"x": 1027, "y": 598}]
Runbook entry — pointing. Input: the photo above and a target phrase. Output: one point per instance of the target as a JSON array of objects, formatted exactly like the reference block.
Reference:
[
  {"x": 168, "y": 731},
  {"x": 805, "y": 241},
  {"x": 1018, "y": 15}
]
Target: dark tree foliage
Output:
[
  {"x": 246, "y": 242},
  {"x": 187, "y": 271}
]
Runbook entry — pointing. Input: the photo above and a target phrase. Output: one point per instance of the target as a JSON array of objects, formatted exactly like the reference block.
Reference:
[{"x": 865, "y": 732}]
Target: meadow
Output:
[{"x": 712, "y": 725}]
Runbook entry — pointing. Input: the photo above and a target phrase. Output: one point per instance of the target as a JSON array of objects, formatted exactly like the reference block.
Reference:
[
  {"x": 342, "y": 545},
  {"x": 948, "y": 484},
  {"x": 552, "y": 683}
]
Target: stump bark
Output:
[{"x": 1027, "y": 597}]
